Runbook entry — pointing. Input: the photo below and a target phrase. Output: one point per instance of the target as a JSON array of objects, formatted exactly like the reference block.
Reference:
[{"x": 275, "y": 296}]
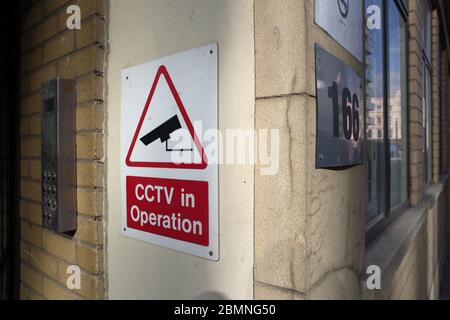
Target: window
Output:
[
  {"x": 375, "y": 98},
  {"x": 386, "y": 94},
  {"x": 398, "y": 106}
]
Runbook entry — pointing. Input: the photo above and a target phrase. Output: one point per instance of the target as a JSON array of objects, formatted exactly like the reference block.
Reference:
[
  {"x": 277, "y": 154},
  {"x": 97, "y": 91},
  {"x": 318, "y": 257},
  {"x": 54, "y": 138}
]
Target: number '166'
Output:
[{"x": 350, "y": 112}]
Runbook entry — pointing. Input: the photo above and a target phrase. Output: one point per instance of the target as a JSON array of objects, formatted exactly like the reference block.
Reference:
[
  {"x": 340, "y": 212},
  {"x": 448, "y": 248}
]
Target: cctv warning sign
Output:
[{"x": 169, "y": 189}]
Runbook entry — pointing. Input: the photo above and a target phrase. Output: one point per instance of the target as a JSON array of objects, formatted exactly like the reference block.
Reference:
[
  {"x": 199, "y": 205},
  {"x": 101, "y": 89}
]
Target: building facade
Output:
[{"x": 301, "y": 232}]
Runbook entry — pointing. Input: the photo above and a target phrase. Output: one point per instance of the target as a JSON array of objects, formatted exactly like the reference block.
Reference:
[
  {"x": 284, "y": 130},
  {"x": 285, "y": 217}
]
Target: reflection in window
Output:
[
  {"x": 386, "y": 101},
  {"x": 397, "y": 106},
  {"x": 375, "y": 101}
]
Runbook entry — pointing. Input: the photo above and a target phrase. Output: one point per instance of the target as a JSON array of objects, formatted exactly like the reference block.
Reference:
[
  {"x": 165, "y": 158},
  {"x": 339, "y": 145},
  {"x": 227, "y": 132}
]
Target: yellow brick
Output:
[
  {"x": 31, "y": 278},
  {"x": 90, "y": 117},
  {"x": 31, "y": 104},
  {"x": 24, "y": 126},
  {"x": 25, "y": 251},
  {"x": 416, "y": 157},
  {"x": 41, "y": 76},
  {"x": 89, "y": 174},
  {"x": 30, "y": 190},
  {"x": 90, "y": 230},
  {"x": 35, "y": 169},
  {"x": 35, "y": 124},
  {"x": 62, "y": 18},
  {"x": 31, "y": 211},
  {"x": 53, "y": 5},
  {"x": 81, "y": 63},
  {"x": 35, "y": 296},
  {"x": 90, "y": 202},
  {"x": 25, "y": 42},
  {"x": 62, "y": 271},
  {"x": 32, "y": 16},
  {"x": 56, "y": 291},
  {"x": 23, "y": 208},
  {"x": 91, "y": 285},
  {"x": 90, "y": 89},
  {"x": 24, "y": 292},
  {"x": 30, "y": 147},
  {"x": 93, "y": 288},
  {"x": 31, "y": 60},
  {"x": 25, "y": 168},
  {"x": 89, "y": 7},
  {"x": 90, "y": 259},
  {"x": 89, "y": 145},
  {"x": 25, "y": 85},
  {"x": 59, "y": 46},
  {"x": 47, "y": 29},
  {"x": 44, "y": 262},
  {"x": 31, "y": 233},
  {"x": 92, "y": 31},
  {"x": 58, "y": 246}
]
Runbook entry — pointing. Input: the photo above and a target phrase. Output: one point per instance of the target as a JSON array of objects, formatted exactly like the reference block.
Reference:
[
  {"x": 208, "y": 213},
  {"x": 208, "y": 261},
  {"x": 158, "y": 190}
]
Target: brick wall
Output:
[
  {"x": 445, "y": 86},
  {"x": 50, "y": 50},
  {"x": 436, "y": 89},
  {"x": 447, "y": 127},
  {"x": 444, "y": 111},
  {"x": 416, "y": 82}
]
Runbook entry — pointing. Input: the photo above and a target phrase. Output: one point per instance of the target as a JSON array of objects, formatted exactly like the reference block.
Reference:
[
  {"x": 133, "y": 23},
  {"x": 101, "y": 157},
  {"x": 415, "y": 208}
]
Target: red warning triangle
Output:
[{"x": 162, "y": 71}]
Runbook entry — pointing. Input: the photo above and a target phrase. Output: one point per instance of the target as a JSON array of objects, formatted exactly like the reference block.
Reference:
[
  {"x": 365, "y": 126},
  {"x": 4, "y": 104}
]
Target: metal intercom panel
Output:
[{"x": 59, "y": 197}]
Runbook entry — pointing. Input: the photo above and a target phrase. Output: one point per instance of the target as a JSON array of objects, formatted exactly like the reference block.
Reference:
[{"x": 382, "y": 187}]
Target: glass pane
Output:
[
  {"x": 375, "y": 146},
  {"x": 397, "y": 111}
]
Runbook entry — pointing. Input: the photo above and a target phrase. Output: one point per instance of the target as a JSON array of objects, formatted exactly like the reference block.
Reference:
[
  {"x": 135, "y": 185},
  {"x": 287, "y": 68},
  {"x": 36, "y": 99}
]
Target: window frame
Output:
[{"x": 375, "y": 227}]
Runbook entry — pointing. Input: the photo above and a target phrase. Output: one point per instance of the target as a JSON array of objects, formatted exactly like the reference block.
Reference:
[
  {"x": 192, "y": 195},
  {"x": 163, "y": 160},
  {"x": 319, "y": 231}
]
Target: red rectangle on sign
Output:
[{"x": 176, "y": 209}]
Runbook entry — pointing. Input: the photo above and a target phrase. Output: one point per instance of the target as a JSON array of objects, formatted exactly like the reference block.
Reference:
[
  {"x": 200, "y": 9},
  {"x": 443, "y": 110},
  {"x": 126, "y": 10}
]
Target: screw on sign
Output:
[{"x": 344, "y": 7}]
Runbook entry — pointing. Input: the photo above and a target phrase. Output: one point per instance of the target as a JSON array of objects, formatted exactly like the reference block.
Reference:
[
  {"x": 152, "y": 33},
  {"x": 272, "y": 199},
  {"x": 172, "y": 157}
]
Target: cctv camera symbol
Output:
[{"x": 163, "y": 133}]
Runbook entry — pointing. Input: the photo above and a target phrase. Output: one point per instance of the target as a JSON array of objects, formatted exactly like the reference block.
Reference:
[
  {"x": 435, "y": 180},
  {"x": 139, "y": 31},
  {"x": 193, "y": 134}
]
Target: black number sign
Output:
[
  {"x": 340, "y": 108},
  {"x": 350, "y": 112}
]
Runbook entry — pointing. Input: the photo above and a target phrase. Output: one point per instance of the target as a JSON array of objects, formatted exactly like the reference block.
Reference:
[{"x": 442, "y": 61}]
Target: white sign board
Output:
[
  {"x": 342, "y": 20},
  {"x": 169, "y": 188}
]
